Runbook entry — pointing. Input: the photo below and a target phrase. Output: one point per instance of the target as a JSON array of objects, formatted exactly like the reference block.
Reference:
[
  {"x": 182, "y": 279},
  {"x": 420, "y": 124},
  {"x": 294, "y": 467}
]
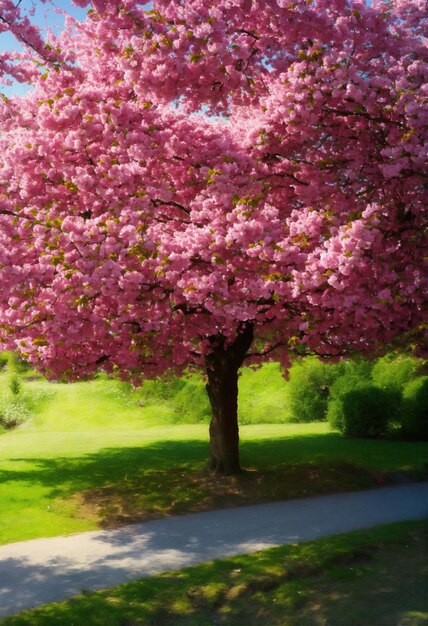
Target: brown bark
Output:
[{"x": 222, "y": 366}]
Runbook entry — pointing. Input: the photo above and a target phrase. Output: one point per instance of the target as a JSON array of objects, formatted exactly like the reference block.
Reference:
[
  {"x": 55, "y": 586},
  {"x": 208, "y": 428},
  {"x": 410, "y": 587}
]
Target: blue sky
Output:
[{"x": 45, "y": 17}]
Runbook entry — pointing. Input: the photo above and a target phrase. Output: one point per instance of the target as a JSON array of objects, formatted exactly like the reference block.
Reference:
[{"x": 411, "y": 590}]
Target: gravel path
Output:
[{"x": 46, "y": 570}]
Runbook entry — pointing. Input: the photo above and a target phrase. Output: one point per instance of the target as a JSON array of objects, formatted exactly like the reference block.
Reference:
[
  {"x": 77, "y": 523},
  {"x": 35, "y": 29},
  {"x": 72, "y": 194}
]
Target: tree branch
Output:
[
  {"x": 265, "y": 352},
  {"x": 158, "y": 202},
  {"x": 381, "y": 120}
]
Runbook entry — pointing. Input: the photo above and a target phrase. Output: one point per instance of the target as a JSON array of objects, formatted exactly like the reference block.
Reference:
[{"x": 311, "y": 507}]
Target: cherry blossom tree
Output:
[{"x": 195, "y": 185}]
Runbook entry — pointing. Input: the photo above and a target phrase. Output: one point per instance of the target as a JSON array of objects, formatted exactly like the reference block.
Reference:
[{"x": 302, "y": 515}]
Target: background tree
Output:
[{"x": 196, "y": 185}]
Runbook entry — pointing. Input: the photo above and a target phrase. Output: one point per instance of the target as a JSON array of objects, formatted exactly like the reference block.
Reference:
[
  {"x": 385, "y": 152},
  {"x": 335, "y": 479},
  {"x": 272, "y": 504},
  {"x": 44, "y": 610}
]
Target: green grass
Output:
[
  {"x": 96, "y": 455},
  {"x": 370, "y": 578}
]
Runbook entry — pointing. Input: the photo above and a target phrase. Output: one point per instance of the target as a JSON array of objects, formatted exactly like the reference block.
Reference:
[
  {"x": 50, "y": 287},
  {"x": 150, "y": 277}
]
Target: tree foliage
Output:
[{"x": 137, "y": 231}]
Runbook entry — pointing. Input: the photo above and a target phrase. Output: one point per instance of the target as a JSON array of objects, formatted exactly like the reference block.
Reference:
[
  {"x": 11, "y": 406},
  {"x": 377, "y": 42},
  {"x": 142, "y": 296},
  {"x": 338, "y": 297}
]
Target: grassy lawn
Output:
[
  {"x": 370, "y": 578},
  {"x": 95, "y": 456}
]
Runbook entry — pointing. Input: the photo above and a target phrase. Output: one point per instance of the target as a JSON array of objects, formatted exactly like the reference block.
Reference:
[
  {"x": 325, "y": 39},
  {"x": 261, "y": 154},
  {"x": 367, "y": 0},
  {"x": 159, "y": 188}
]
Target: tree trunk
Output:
[{"x": 222, "y": 366}]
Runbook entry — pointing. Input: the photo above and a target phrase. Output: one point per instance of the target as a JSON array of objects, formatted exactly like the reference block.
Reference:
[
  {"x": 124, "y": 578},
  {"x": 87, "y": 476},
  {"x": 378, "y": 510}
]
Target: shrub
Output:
[
  {"x": 19, "y": 403},
  {"x": 363, "y": 412},
  {"x": 20, "y": 365},
  {"x": 395, "y": 372},
  {"x": 357, "y": 375},
  {"x": 4, "y": 360},
  {"x": 414, "y": 409},
  {"x": 191, "y": 401},
  {"x": 354, "y": 374},
  {"x": 13, "y": 412},
  {"x": 15, "y": 385},
  {"x": 186, "y": 396},
  {"x": 162, "y": 388},
  {"x": 309, "y": 389},
  {"x": 13, "y": 363}
]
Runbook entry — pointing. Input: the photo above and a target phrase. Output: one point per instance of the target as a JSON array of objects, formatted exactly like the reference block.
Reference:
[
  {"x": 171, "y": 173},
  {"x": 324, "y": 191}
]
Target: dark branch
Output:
[
  {"x": 242, "y": 31},
  {"x": 23, "y": 217},
  {"x": 158, "y": 202},
  {"x": 24, "y": 40},
  {"x": 267, "y": 351},
  {"x": 381, "y": 120}
]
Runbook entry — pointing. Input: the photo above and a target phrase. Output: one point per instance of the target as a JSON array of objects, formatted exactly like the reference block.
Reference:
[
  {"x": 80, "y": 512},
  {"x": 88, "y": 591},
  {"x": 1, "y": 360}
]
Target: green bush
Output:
[
  {"x": 4, "y": 360},
  {"x": 363, "y": 412},
  {"x": 354, "y": 375},
  {"x": 309, "y": 389},
  {"x": 161, "y": 389},
  {"x": 414, "y": 409},
  {"x": 186, "y": 396},
  {"x": 21, "y": 366},
  {"x": 19, "y": 402},
  {"x": 15, "y": 385},
  {"x": 191, "y": 401},
  {"x": 13, "y": 412},
  {"x": 394, "y": 372},
  {"x": 14, "y": 363}
]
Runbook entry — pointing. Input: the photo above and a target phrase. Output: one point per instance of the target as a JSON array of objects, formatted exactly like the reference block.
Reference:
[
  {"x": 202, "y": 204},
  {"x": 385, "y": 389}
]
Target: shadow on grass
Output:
[{"x": 123, "y": 485}]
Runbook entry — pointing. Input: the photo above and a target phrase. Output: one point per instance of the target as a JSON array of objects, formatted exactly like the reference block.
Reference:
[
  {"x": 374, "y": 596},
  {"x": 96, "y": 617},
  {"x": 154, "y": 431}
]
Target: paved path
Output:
[{"x": 47, "y": 570}]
